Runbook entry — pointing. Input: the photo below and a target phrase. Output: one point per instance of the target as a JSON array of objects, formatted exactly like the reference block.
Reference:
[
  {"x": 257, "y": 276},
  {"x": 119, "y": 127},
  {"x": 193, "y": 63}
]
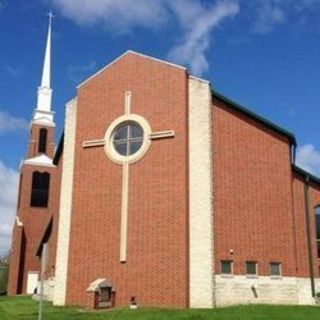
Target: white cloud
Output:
[
  {"x": 198, "y": 22},
  {"x": 266, "y": 15},
  {"x": 269, "y": 14},
  {"x": 308, "y": 158},
  {"x": 123, "y": 14},
  {"x": 9, "y": 123},
  {"x": 193, "y": 18},
  {"x": 8, "y": 199},
  {"x": 13, "y": 71}
]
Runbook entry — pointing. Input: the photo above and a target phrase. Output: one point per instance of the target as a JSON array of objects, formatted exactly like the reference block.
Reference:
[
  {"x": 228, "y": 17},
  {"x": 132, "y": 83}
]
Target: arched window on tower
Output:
[
  {"x": 40, "y": 189},
  {"x": 42, "y": 147}
]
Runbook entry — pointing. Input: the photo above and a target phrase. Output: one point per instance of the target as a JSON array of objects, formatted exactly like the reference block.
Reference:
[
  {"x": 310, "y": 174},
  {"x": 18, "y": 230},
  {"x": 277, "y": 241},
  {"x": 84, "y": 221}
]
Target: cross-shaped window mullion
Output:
[
  {"x": 128, "y": 137},
  {"x": 128, "y": 140}
]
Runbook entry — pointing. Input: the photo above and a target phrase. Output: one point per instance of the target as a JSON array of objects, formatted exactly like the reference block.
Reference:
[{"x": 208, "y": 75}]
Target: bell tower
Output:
[{"x": 35, "y": 205}]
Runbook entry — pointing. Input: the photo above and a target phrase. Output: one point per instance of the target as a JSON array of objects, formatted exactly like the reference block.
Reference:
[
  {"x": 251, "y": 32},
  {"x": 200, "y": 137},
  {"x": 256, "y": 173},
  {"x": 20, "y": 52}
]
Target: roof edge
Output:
[
  {"x": 306, "y": 174},
  {"x": 123, "y": 55},
  {"x": 59, "y": 150},
  {"x": 256, "y": 117}
]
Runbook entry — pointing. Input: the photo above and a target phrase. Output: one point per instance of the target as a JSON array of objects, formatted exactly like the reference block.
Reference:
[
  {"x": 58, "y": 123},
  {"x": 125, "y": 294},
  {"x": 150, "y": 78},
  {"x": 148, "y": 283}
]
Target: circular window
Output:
[{"x": 128, "y": 138}]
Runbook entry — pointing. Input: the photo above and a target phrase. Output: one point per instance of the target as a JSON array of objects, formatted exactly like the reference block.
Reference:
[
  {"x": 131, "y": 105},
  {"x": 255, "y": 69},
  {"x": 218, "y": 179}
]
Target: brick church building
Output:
[{"x": 162, "y": 192}]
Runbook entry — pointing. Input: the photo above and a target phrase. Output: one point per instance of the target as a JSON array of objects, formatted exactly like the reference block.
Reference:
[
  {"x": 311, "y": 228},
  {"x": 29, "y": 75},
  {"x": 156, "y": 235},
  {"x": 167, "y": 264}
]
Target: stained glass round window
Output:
[{"x": 128, "y": 138}]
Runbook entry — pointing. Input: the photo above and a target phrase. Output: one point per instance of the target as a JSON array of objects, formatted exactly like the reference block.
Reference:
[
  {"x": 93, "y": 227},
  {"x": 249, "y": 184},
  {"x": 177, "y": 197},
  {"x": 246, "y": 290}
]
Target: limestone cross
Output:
[{"x": 127, "y": 140}]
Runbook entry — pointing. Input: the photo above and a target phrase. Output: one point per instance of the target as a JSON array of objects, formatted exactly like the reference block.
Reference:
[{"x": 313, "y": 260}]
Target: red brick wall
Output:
[
  {"x": 34, "y": 141},
  {"x": 15, "y": 261},
  {"x": 303, "y": 268},
  {"x": 315, "y": 200},
  {"x": 156, "y": 268},
  {"x": 34, "y": 219},
  {"x": 253, "y": 213}
]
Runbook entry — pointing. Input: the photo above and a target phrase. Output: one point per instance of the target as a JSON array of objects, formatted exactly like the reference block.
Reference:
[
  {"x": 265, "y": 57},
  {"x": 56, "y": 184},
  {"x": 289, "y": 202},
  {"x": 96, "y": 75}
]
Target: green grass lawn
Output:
[{"x": 24, "y": 308}]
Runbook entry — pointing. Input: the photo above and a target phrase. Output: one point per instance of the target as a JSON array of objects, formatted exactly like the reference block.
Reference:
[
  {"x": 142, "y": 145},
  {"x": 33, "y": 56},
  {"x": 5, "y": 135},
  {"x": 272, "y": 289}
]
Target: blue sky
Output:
[{"x": 265, "y": 54}]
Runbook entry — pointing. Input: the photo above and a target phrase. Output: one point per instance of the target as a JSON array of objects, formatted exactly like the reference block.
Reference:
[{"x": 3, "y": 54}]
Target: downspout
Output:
[
  {"x": 307, "y": 211},
  {"x": 293, "y": 153}
]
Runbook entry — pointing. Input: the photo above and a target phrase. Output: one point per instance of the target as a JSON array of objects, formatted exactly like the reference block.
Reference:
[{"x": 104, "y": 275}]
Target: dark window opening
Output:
[
  {"x": 251, "y": 268},
  {"x": 40, "y": 189},
  {"x": 128, "y": 138},
  {"x": 105, "y": 294},
  {"x": 275, "y": 269},
  {"x": 226, "y": 267},
  {"x": 42, "y": 147}
]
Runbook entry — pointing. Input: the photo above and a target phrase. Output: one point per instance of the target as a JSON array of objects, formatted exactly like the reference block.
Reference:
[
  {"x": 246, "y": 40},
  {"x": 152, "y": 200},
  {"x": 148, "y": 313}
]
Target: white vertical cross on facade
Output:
[{"x": 126, "y": 159}]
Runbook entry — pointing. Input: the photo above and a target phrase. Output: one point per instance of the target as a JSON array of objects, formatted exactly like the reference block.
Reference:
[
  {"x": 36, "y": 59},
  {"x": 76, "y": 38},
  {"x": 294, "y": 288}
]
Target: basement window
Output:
[
  {"x": 226, "y": 267},
  {"x": 275, "y": 269},
  {"x": 251, "y": 268}
]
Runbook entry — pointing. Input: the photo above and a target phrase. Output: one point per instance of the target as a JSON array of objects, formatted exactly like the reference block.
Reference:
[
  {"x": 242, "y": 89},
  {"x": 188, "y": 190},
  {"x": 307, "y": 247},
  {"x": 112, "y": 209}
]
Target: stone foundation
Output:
[{"x": 233, "y": 290}]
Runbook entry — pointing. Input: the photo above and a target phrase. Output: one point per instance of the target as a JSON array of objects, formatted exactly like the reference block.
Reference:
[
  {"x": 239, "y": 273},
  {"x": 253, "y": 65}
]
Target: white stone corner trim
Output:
[
  {"x": 200, "y": 195},
  {"x": 65, "y": 205},
  {"x": 199, "y": 79},
  {"x": 42, "y": 160},
  {"x": 239, "y": 289},
  {"x": 18, "y": 222}
]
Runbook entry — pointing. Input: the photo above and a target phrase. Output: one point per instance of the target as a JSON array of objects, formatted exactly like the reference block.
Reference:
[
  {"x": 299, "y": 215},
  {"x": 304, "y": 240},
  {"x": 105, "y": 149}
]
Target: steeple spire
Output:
[
  {"x": 42, "y": 113},
  {"x": 45, "y": 81}
]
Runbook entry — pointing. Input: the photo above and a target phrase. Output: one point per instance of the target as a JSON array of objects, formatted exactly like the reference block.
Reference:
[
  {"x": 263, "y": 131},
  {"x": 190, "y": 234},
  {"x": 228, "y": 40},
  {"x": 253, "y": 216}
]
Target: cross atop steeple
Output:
[
  {"x": 51, "y": 16},
  {"x": 43, "y": 112}
]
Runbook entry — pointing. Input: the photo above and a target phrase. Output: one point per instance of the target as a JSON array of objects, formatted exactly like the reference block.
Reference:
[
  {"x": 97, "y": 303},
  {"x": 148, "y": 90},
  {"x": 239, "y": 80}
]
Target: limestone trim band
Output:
[{"x": 201, "y": 227}]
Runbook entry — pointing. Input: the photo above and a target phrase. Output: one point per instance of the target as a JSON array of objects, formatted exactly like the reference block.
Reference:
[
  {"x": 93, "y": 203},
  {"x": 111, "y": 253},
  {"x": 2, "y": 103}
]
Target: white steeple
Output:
[{"x": 43, "y": 114}]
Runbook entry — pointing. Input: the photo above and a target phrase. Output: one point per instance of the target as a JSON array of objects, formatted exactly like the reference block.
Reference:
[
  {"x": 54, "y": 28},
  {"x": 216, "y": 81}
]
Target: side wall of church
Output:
[
  {"x": 156, "y": 270},
  {"x": 252, "y": 192},
  {"x": 259, "y": 214},
  {"x": 303, "y": 266}
]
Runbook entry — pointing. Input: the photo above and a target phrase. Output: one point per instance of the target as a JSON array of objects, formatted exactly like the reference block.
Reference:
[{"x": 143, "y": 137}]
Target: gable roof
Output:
[
  {"x": 255, "y": 117},
  {"x": 215, "y": 94},
  {"x": 123, "y": 55}
]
